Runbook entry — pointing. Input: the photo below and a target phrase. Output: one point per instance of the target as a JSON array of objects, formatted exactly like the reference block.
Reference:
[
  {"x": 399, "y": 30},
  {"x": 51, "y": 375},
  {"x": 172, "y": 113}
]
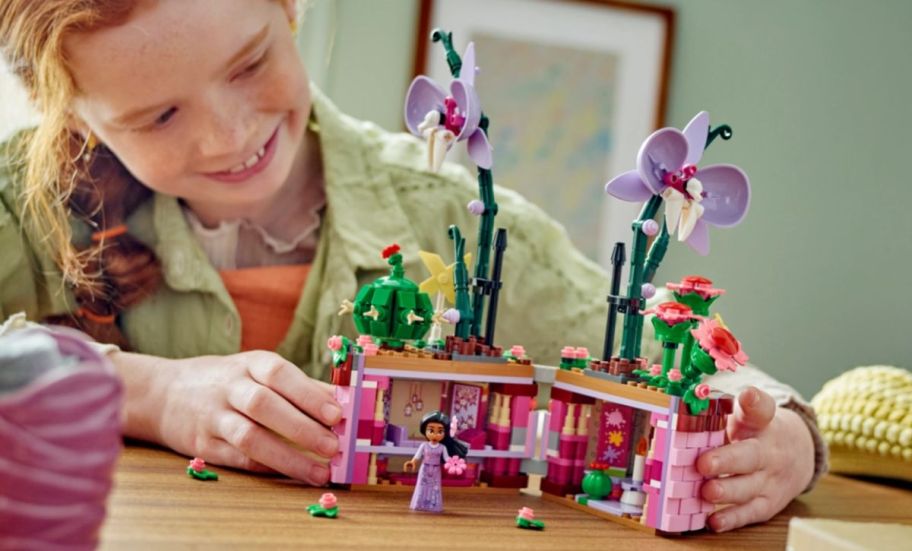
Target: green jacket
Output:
[{"x": 379, "y": 192}]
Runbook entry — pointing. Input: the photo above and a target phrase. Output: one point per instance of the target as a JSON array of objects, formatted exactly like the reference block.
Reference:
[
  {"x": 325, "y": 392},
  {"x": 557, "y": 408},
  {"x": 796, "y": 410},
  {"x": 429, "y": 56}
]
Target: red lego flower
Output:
[{"x": 390, "y": 251}]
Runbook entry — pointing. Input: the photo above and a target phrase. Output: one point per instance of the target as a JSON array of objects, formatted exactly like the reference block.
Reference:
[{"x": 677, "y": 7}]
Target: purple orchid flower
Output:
[
  {"x": 694, "y": 197},
  {"x": 443, "y": 118}
]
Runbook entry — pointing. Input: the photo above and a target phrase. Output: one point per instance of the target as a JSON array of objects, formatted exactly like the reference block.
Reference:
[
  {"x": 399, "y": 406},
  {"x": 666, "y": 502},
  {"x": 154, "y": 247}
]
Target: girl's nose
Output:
[{"x": 227, "y": 133}]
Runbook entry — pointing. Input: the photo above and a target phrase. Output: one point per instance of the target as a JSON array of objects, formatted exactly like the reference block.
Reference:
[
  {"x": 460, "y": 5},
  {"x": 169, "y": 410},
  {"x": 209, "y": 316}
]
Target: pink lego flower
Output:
[
  {"x": 334, "y": 343},
  {"x": 655, "y": 370},
  {"x": 455, "y": 465},
  {"x": 517, "y": 351},
  {"x": 582, "y": 353},
  {"x": 674, "y": 375},
  {"x": 720, "y": 344},
  {"x": 701, "y": 391},
  {"x": 328, "y": 500},
  {"x": 672, "y": 313},
  {"x": 696, "y": 284},
  {"x": 568, "y": 352},
  {"x": 197, "y": 464},
  {"x": 370, "y": 349},
  {"x": 526, "y": 513},
  {"x": 364, "y": 340}
]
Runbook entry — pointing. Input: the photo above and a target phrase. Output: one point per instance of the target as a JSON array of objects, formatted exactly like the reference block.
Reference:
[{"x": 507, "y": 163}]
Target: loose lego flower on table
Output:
[
  {"x": 717, "y": 195},
  {"x": 455, "y": 465},
  {"x": 327, "y": 506},
  {"x": 717, "y": 348},
  {"x": 197, "y": 469},
  {"x": 443, "y": 119},
  {"x": 525, "y": 518}
]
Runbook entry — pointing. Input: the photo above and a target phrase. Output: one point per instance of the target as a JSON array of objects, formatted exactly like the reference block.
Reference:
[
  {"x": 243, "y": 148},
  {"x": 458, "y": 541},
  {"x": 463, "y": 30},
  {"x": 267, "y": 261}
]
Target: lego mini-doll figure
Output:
[{"x": 439, "y": 448}]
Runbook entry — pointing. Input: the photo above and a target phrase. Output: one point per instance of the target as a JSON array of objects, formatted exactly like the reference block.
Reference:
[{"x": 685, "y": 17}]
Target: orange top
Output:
[{"x": 266, "y": 298}]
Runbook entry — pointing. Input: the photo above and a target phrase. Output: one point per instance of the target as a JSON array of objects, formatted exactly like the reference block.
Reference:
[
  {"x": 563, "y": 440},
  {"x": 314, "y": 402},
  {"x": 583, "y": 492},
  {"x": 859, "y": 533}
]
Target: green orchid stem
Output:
[
  {"x": 485, "y": 193},
  {"x": 633, "y": 320},
  {"x": 656, "y": 254},
  {"x": 723, "y": 131}
]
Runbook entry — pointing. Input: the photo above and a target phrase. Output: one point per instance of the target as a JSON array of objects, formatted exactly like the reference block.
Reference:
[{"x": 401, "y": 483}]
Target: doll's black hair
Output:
[{"x": 453, "y": 446}]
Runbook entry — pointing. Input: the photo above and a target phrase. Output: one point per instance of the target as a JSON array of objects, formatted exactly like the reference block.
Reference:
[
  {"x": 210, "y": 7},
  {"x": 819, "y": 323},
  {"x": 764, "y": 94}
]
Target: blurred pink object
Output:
[{"x": 59, "y": 439}]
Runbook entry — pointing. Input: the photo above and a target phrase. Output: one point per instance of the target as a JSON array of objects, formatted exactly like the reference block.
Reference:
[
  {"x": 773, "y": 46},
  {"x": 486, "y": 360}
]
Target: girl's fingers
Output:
[
  {"x": 313, "y": 398},
  {"x": 266, "y": 407},
  {"x": 758, "y": 509},
  {"x": 734, "y": 489},
  {"x": 754, "y": 413},
  {"x": 744, "y": 457},
  {"x": 266, "y": 448},
  {"x": 219, "y": 452}
]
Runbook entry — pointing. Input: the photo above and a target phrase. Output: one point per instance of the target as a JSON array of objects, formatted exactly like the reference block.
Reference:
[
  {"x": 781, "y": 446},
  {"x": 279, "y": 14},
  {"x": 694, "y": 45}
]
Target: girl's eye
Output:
[
  {"x": 253, "y": 67},
  {"x": 160, "y": 121}
]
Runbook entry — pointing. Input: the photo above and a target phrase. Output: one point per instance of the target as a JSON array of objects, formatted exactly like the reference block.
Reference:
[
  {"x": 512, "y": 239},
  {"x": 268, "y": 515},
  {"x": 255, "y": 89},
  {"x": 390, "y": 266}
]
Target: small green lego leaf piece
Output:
[{"x": 205, "y": 474}]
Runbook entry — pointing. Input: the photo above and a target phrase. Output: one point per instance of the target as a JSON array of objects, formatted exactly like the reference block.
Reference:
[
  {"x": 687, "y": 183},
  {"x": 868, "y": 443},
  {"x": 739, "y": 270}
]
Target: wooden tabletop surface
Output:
[{"x": 154, "y": 504}]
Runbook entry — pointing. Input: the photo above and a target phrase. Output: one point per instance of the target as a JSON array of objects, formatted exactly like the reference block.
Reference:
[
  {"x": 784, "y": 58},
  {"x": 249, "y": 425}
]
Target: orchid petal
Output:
[
  {"x": 439, "y": 143},
  {"x": 696, "y": 132},
  {"x": 726, "y": 194},
  {"x": 674, "y": 204},
  {"x": 467, "y": 100},
  {"x": 690, "y": 216},
  {"x": 423, "y": 95},
  {"x": 480, "y": 149},
  {"x": 665, "y": 150},
  {"x": 467, "y": 73},
  {"x": 699, "y": 237},
  {"x": 629, "y": 186}
]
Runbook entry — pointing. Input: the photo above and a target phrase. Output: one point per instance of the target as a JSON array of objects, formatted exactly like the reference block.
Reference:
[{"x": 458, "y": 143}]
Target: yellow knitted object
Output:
[{"x": 865, "y": 416}]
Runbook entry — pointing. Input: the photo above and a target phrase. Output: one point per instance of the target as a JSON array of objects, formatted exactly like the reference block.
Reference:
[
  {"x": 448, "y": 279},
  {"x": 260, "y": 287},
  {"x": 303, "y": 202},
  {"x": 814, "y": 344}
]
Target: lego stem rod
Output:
[{"x": 485, "y": 193}]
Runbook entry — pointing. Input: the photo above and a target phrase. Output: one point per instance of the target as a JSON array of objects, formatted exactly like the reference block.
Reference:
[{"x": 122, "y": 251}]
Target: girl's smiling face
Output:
[{"x": 206, "y": 101}]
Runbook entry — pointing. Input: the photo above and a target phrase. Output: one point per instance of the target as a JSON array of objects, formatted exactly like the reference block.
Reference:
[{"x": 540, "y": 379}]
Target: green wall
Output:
[{"x": 817, "y": 92}]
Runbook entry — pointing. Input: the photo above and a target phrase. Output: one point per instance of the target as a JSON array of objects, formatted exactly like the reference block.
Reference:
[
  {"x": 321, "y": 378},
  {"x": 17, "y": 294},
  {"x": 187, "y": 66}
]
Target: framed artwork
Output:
[{"x": 572, "y": 89}]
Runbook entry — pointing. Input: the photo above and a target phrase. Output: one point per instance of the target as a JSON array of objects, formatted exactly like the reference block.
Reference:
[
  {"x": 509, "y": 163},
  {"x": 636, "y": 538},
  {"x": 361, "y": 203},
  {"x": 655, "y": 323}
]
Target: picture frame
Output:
[{"x": 572, "y": 88}]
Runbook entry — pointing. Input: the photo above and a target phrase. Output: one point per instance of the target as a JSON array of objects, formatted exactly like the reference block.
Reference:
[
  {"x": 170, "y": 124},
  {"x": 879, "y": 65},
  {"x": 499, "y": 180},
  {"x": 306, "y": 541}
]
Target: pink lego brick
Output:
[
  {"x": 360, "y": 468},
  {"x": 691, "y": 506},
  {"x": 679, "y": 440},
  {"x": 676, "y": 473},
  {"x": 519, "y": 411},
  {"x": 697, "y": 439},
  {"x": 682, "y": 456},
  {"x": 691, "y": 474},
  {"x": 716, "y": 438},
  {"x": 679, "y": 489},
  {"x": 698, "y": 521},
  {"x": 675, "y": 523},
  {"x": 674, "y": 507},
  {"x": 558, "y": 411},
  {"x": 654, "y": 418},
  {"x": 660, "y": 442}
]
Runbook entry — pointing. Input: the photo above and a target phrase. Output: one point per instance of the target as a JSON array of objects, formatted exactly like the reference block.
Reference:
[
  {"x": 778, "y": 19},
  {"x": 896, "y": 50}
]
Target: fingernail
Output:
[
  {"x": 721, "y": 524},
  {"x": 753, "y": 396},
  {"x": 329, "y": 445},
  {"x": 319, "y": 474},
  {"x": 714, "y": 465},
  {"x": 719, "y": 491},
  {"x": 331, "y": 414}
]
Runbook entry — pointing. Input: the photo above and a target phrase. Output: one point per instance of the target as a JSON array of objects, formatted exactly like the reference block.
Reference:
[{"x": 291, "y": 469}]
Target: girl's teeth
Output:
[{"x": 249, "y": 162}]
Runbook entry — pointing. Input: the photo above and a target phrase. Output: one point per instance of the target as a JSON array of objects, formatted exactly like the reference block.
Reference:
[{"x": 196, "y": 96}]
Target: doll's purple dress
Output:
[{"x": 428, "y": 494}]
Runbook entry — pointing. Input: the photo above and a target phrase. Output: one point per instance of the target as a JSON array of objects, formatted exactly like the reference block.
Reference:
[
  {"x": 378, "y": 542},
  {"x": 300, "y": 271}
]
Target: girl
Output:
[
  {"x": 208, "y": 210},
  {"x": 440, "y": 446}
]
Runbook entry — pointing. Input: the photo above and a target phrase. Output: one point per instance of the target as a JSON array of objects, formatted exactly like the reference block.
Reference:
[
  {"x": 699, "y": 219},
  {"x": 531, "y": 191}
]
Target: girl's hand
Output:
[
  {"x": 409, "y": 466},
  {"x": 769, "y": 461},
  {"x": 254, "y": 411}
]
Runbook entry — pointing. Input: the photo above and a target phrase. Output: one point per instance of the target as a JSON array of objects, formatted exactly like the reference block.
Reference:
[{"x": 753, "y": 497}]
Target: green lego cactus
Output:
[{"x": 392, "y": 309}]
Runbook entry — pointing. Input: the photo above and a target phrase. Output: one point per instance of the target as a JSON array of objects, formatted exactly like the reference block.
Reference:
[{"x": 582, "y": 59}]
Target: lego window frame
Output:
[{"x": 638, "y": 38}]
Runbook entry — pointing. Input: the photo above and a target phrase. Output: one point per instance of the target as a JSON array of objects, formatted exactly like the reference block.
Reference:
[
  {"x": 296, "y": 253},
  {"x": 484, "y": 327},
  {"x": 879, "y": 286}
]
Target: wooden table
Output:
[{"x": 156, "y": 505}]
